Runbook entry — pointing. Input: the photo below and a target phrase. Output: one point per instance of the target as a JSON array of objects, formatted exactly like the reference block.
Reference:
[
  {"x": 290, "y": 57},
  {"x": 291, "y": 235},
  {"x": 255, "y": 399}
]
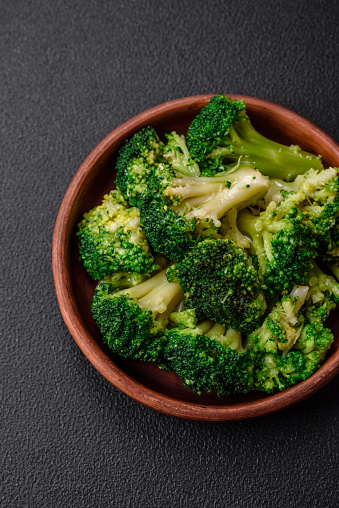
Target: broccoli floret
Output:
[
  {"x": 274, "y": 372},
  {"x": 131, "y": 319},
  {"x": 286, "y": 237},
  {"x": 138, "y": 160},
  {"x": 282, "y": 326},
  {"x": 121, "y": 280},
  {"x": 318, "y": 188},
  {"x": 221, "y": 284},
  {"x": 184, "y": 319},
  {"x": 111, "y": 240},
  {"x": 178, "y": 212},
  {"x": 320, "y": 206},
  {"x": 330, "y": 251},
  {"x": 292, "y": 342},
  {"x": 177, "y": 154},
  {"x": 222, "y": 133},
  {"x": 204, "y": 360},
  {"x": 212, "y": 125},
  {"x": 324, "y": 289},
  {"x": 166, "y": 231},
  {"x": 282, "y": 242}
]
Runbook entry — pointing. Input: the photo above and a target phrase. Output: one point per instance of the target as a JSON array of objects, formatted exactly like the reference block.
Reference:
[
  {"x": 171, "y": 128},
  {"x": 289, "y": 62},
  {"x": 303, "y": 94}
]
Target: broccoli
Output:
[
  {"x": 283, "y": 244},
  {"x": 178, "y": 212},
  {"x": 177, "y": 154},
  {"x": 330, "y": 251},
  {"x": 222, "y": 133},
  {"x": 320, "y": 206},
  {"x": 131, "y": 319},
  {"x": 207, "y": 358},
  {"x": 184, "y": 319},
  {"x": 221, "y": 284},
  {"x": 324, "y": 289},
  {"x": 229, "y": 229},
  {"x": 292, "y": 342},
  {"x": 283, "y": 324},
  {"x": 111, "y": 240},
  {"x": 121, "y": 280},
  {"x": 138, "y": 159}
]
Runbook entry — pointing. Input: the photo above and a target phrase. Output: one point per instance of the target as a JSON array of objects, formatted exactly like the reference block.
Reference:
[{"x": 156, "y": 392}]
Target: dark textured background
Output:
[{"x": 70, "y": 73}]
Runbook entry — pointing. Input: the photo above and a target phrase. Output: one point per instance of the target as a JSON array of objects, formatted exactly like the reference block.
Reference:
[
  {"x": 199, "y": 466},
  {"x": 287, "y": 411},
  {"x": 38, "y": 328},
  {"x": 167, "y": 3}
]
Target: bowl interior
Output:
[{"x": 142, "y": 381}]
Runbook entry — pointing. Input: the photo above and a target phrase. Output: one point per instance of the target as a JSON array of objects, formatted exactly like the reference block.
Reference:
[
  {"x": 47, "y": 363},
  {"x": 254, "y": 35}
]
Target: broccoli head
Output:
[
  {"x": 177, "y": 155},
  {"x": 111, "y": 240},
  {"x": 282, "y": 242},
  {"x": 221, "y": 284},
  {"x": 222, "y": 133},
  {"x": 292, "y": 342},
  {"x": 138, "y": 160},
  {"x": 320, "y": 206},
  {"x": 209, "y": 358}
]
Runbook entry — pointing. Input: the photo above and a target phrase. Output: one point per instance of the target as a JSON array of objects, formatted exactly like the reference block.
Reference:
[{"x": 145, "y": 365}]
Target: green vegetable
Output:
[
  {"x": 282, "y": 242},
  {"x": 221, "y": 284},
  {"x": 131, "y": 319},
  {"x": 206, "y": 362},
  {"x": 138, "y": 160},
  {"x": 177, "y": 154},
  {"x": 177, "y": 213},
  {"x": 111, "y": 240},
  {"x": 292, "y": 342},
  {"x": 222, "y": 133}
]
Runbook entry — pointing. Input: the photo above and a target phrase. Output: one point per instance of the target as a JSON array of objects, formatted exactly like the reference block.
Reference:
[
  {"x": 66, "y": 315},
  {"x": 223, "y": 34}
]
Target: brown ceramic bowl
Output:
[{"x": 145, "y": 382}]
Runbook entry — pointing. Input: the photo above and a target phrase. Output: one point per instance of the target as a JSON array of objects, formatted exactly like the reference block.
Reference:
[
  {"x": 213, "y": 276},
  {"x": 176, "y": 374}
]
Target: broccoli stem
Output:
[
  {"x": 229, "y": 338},
  {"x": 212, "y": 197},
  {"x": 334, "y": 269},
  {"x": 229, "y": 229},
  {"x": 156, "y": 294},
  {"x": 272, "y": 159},
  {"x": 261, "y": 245}
]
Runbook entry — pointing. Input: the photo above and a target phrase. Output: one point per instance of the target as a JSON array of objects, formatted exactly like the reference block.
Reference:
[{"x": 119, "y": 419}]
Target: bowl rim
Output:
[{"x": 97, "y": 357}]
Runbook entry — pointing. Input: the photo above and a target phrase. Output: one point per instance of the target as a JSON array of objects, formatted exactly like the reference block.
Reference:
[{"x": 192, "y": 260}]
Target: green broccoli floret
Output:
[
  {"x": 321, "y": 201},
  {"x": 176, "y": 213},
  {"x": 121, "y": 280},
  {"x": 316, "y": 196},
  {"x": 184, "y": 319},
  {"x": 138, "y": 160},
  {"x": 292, "y": 342},
  {"x": 324, "y": 289},
  {"x": 111, "y": 240},
  {"x": 282, "y": 326},
  {"x": 131, "y": 319},
  {"x": 314, "y": 188},
  {"x": 209, "y": 358},
  {"x": 330, "y": 251},
  {"x": 222, "y": 133},
  {"x": 283, "y": 243},
  {"x": 177, "y": 154},
  {"x": 221, "y": 284}
]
